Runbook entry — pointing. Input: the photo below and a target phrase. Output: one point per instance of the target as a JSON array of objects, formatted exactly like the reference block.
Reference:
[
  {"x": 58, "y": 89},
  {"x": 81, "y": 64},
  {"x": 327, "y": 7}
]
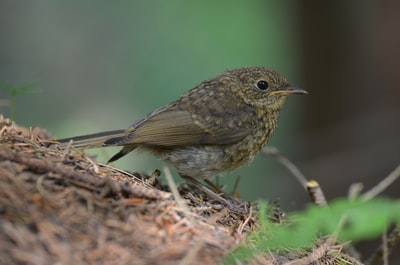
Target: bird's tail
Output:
[{"x": 91, "y": 140}]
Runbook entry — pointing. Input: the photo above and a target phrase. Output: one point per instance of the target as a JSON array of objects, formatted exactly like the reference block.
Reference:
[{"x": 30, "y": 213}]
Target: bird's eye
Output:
[{"x": 262, "y": 85}]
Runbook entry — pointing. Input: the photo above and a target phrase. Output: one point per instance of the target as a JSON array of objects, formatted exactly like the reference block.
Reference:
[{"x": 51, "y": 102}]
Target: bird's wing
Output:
[{"x": 171, "y": 126}]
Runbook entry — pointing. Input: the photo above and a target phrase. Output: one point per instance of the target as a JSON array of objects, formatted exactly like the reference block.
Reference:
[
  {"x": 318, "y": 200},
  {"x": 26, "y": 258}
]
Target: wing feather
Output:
[{"x": 173, "y": 125}]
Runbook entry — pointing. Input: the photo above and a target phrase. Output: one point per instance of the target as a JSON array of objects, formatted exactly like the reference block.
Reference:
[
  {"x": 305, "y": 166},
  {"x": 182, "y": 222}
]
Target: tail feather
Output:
[
  {"x": 92, "y": 140},
  {"x": 124, "y": 151}
]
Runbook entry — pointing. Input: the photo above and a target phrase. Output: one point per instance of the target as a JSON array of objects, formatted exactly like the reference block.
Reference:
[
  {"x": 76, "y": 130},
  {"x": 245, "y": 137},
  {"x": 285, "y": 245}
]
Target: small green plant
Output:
[
  {"x": 345, "y": 220},
  {"x": 17, "y": 90}
]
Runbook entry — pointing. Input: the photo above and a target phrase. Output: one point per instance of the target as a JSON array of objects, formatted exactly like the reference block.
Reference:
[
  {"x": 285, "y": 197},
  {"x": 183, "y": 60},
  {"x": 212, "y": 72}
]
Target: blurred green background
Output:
[{"x": 102, "y": 65}]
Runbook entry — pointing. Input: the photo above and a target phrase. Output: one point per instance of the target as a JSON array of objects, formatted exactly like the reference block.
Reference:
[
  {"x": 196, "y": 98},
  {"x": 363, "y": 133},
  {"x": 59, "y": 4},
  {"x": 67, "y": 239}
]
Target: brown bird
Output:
[{"x": 215, "y": 127}]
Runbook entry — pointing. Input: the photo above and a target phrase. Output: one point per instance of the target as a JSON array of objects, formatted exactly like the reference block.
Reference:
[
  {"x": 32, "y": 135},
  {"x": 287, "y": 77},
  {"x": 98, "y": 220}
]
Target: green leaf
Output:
[{"x": 347, "y": 220}]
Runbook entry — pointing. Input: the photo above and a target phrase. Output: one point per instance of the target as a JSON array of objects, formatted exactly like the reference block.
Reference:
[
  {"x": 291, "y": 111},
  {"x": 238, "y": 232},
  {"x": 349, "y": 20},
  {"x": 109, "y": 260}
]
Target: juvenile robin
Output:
[{"x": 215, "y": 127}]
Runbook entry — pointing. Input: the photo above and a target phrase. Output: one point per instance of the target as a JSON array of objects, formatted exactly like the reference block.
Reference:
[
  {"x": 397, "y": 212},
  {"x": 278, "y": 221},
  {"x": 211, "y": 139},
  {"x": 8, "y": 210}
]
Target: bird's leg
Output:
[
  {"x": 217, "y": 189},
  {"x": 214, "y": 195}
]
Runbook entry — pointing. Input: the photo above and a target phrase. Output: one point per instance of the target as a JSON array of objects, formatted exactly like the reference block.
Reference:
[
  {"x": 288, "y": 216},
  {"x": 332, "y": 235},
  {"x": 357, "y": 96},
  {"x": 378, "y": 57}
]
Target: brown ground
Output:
[{"x": 61, "y": 207}]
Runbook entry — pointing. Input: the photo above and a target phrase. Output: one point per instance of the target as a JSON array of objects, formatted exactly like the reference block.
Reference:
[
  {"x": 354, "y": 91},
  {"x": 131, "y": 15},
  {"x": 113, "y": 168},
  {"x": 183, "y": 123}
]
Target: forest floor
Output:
[{"x": 62, "y": 207}]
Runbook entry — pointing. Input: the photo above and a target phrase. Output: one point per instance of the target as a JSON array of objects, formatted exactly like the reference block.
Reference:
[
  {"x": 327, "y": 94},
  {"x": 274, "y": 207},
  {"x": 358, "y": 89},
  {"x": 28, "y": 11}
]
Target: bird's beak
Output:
[{"x": 289, "y": 91}]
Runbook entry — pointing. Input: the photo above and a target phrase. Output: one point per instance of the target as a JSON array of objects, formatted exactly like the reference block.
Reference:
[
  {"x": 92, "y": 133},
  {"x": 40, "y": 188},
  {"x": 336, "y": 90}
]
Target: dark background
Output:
[{"x": 97, "y": 65}]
